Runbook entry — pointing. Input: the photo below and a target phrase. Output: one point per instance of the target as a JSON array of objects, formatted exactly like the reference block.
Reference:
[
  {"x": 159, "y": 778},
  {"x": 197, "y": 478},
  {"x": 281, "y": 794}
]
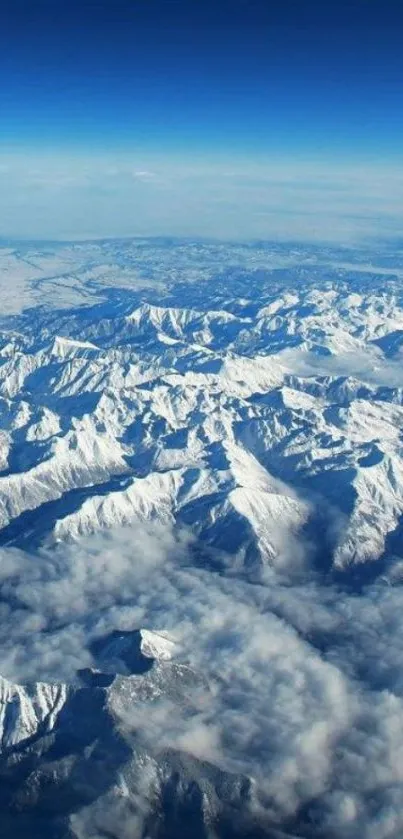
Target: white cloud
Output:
[
  {"x": 307, "y": 679},
  {"x": 144, "y": 174}
]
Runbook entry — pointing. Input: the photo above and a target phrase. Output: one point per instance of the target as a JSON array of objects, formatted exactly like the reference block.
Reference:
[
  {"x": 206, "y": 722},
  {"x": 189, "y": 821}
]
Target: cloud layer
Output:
[
  {"x": 306, "y": 679},
  {"x": 76, "y": 197}
]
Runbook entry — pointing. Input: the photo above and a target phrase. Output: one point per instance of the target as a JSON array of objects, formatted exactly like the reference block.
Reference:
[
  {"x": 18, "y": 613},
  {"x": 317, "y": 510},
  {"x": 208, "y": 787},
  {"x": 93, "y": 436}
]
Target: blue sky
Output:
[{"x": 196, "y": 87}]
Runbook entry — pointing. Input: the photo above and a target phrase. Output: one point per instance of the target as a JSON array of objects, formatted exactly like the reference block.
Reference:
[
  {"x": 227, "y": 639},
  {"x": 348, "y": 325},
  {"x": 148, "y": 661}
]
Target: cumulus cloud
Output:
[
  {"x": 306, "y": 685},
  {"x": 64, "y": 590}
]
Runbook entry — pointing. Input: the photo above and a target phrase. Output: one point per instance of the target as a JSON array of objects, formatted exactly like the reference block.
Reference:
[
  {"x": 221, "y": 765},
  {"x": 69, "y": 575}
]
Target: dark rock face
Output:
[{"x": 122, "y": 647}]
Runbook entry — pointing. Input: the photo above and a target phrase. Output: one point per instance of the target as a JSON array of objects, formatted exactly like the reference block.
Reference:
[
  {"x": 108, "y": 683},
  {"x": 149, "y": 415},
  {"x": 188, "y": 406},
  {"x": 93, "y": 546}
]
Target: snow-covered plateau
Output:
[{"x": 237, "y": 410}]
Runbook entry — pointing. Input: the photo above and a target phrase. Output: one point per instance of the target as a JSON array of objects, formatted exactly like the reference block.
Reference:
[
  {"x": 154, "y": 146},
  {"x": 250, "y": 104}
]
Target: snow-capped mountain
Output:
[
  {"x": 73, "y": 761},
  {"x": 256, "y": 420},
  {"x": 251, "y": 396}
]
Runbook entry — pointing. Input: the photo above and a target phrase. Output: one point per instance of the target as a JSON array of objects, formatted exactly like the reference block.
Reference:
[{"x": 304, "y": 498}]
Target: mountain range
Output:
[{"x": 248, "y": 396}]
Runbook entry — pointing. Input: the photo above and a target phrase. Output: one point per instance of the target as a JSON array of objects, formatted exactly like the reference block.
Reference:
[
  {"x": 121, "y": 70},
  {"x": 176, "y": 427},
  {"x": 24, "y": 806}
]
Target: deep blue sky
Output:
[
  {"x": 241, "y": 75},
  {"x": 235, "y": 118}
]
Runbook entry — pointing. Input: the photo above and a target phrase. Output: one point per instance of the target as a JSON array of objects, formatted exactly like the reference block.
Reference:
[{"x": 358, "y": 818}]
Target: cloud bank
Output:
[{"x": 306, "y": 679}]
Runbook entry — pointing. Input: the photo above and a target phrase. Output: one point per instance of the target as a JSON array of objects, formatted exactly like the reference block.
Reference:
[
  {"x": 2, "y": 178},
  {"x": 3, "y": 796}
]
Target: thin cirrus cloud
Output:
[{"x": 63, "y": 198}]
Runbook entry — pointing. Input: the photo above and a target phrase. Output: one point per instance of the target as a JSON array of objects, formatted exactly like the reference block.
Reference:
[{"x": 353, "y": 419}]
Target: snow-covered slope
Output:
[{"x": 252, "y": 418}]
